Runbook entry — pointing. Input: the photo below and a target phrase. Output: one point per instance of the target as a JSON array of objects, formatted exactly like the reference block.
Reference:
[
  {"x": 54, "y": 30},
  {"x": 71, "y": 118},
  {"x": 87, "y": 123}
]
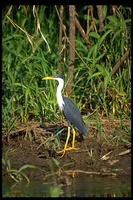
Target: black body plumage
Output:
[{"x": 73, "y": 116}]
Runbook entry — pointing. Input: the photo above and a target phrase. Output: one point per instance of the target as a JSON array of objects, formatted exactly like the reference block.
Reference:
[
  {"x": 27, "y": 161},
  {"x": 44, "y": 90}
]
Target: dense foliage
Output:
[{"x": 27, "y": 57}]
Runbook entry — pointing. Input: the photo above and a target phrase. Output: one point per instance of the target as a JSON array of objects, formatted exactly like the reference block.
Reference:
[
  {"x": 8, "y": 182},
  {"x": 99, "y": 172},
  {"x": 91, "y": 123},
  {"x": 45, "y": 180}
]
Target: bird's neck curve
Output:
[{"x": 59, "y": 93}]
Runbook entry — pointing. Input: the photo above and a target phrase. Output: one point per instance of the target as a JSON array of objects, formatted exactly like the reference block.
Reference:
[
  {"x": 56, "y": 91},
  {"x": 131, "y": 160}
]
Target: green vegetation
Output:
[
  {"x": 26, "y": 59},
  {"x": 27, "y": 97},
  {"x": 102, "y": 71}
]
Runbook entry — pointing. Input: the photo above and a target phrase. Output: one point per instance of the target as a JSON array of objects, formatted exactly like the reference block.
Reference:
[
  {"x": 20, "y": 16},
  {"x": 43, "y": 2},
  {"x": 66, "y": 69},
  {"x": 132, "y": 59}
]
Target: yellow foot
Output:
[{"x": 67, "y": 149}]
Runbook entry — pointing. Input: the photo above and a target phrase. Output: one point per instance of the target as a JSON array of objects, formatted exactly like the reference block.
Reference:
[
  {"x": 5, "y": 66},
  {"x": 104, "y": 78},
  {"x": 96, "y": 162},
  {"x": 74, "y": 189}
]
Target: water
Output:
[
  {"x": 102, "y": 187},
  {"x": 82, "y": 186}
]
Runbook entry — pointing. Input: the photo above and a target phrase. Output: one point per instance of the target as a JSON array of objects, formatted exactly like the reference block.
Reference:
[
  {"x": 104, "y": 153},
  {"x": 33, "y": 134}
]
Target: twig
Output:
[
  {"x": 17, "y": 131},
  {"x": 105, "y": 157},
  {"x": 124, "y": 152}
]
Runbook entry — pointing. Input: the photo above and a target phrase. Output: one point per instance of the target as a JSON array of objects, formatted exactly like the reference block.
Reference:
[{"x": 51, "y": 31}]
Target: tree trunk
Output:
[
  {"x": 60, "y": 39},
  {"x": 70, "y": 72}
]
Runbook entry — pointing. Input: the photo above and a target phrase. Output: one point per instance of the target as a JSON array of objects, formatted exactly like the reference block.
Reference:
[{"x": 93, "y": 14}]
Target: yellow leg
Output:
[{"x": 73, "y": 141}]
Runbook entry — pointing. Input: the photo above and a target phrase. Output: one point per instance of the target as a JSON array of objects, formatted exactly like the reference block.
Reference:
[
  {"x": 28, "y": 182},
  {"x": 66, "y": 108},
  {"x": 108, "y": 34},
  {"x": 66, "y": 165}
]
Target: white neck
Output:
[{"x": 59, "y": 94}]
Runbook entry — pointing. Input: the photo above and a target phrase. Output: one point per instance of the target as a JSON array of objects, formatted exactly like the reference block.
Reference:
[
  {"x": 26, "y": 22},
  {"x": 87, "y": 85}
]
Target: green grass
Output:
[{"x": 25, "y": 62}]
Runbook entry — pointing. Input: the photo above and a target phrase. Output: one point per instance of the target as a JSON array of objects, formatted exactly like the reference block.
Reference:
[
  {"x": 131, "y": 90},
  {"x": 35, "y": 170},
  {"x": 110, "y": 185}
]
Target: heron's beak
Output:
[{"x": 48, "y": 77}]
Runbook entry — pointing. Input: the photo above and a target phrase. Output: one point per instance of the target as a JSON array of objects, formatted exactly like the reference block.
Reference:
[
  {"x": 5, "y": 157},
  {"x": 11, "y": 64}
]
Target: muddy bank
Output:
[{"x": 94, "y": 155}]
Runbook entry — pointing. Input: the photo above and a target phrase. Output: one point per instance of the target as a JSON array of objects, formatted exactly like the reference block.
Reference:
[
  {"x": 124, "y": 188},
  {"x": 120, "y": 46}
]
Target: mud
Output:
[{"x": 100, "y": 154}]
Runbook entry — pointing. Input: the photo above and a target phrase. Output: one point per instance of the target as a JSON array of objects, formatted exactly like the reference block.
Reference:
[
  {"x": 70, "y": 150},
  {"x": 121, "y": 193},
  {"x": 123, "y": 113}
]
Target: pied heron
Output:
[{"x": 70, "y": 112}]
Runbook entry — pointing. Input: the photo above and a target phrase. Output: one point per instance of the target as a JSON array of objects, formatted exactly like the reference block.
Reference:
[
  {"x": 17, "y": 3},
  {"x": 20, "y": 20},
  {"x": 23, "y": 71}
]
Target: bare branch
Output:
[
  {"x": 82, "y": 32},
  {"x": 118, "y": 64}
]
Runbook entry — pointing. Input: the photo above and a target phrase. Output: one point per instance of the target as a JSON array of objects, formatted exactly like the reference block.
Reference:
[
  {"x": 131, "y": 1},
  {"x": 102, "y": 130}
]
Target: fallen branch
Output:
[
  {"x": 77, "y": 171},
  {"x": 91, "y": 173}
]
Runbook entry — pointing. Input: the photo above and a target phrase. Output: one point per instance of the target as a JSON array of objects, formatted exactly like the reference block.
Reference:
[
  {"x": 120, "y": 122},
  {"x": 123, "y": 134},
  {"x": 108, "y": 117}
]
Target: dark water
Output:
[{"x": 82, "y": 186}]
